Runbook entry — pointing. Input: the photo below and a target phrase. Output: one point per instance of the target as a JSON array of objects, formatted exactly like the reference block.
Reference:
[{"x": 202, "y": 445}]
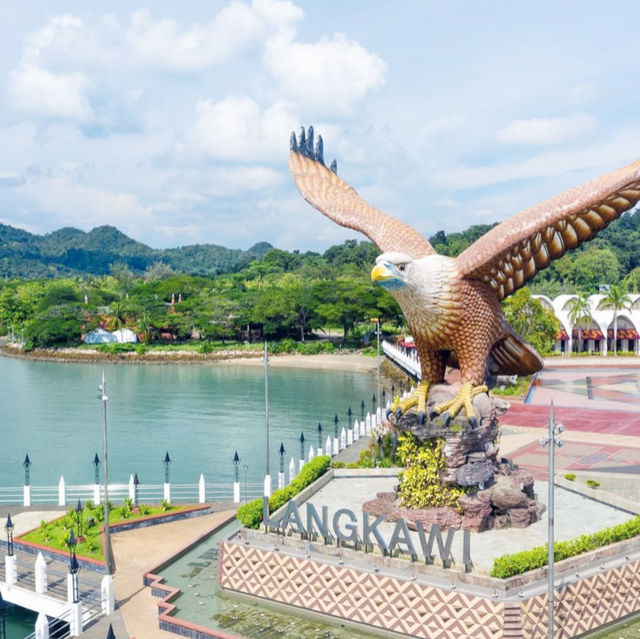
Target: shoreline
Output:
[{"x": 350, "y": 361}]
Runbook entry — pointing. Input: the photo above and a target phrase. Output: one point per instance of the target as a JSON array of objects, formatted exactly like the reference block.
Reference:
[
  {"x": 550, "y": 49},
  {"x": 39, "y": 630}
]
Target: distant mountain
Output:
[{"x": 69, "y": 251}]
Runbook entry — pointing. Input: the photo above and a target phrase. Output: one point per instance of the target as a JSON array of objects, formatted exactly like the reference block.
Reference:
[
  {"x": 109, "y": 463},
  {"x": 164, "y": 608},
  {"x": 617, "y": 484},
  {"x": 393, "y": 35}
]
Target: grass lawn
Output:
[{"x": 55, "y": 534}]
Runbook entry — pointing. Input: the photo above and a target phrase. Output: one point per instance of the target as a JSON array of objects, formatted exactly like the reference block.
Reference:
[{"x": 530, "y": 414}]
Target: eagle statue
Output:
[{"x": 452, "y": 305}]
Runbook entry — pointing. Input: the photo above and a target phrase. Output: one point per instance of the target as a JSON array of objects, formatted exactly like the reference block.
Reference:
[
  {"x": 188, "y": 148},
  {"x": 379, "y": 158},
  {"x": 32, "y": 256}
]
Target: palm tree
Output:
[
  {"x": 616, "y": 300},
  {"x": 579, "y": 314}
]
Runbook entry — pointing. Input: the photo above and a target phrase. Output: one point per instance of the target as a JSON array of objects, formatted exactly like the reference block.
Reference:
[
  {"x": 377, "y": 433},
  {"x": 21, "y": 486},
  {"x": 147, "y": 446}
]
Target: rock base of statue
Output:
[{"x": 505, "y": 494}]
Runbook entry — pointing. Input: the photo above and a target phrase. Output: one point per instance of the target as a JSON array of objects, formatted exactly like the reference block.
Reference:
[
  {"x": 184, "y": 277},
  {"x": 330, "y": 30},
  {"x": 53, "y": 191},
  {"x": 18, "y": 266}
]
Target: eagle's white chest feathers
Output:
[{"x": 427, "y": 297}]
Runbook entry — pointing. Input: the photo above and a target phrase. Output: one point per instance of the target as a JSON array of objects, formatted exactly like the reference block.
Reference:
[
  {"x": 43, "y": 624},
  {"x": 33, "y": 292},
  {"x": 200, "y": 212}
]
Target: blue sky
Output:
[{"x": 171, "y": 120}]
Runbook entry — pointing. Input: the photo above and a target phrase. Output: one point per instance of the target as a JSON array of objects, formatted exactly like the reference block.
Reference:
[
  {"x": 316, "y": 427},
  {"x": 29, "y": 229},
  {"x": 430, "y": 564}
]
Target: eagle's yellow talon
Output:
[
  {"x": 417, "y": 398},
  {"x": 462, "y": 400}
]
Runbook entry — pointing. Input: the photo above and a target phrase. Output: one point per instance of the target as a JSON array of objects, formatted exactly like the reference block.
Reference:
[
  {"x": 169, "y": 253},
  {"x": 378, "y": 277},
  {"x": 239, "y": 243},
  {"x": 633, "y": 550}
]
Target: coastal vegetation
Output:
[{"x": 289, "y": 298}]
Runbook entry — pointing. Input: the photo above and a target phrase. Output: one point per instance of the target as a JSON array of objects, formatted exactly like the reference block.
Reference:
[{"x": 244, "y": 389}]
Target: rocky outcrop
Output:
[{"x": 504, "y": 495}]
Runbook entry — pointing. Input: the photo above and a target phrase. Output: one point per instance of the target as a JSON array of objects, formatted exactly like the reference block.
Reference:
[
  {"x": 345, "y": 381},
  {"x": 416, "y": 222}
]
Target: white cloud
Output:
[
  {"x": 447, "y": 202},
  {"x": 332, "y": 74},
  {"x": 539, "y": 131},
  {"x": 50, "y": 95},
  {"x": 74, "y": 204},
  {"x": 236, "y": 128}
]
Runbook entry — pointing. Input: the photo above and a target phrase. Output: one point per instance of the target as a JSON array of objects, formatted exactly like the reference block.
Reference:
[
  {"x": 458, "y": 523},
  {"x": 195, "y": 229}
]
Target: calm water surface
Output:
[{"x": 201, "y": 414}]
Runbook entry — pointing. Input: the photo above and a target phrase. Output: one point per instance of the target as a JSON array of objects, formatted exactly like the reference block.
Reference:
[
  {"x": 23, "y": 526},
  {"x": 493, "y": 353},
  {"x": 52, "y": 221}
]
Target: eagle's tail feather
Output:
[{"x": 511, "y": 355}]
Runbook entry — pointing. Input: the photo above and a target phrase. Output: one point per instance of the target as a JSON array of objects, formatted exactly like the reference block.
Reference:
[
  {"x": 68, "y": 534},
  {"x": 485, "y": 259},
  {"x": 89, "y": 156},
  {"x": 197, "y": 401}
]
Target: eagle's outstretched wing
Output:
[
  {"x": 511, "y": 253},
  {"x": 333, "y": 197}
]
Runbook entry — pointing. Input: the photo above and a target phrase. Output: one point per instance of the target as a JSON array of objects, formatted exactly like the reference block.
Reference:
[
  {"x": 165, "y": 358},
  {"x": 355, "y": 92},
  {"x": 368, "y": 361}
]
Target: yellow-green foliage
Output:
[{"x": 420, "y": 485}]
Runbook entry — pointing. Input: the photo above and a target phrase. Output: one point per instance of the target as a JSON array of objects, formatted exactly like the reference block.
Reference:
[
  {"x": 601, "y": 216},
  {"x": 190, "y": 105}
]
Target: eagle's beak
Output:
[{"x": 381, "y": 273}]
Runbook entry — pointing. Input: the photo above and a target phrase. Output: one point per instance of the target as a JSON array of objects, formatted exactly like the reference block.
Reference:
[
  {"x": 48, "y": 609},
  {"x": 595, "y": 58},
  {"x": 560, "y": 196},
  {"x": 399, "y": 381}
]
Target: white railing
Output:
[{"x": 408, "y": 360}]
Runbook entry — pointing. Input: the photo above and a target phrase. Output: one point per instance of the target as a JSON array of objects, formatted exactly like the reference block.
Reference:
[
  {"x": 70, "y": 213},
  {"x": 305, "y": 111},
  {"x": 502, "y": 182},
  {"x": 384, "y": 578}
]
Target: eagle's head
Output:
[{"x": 393, "y": 271}]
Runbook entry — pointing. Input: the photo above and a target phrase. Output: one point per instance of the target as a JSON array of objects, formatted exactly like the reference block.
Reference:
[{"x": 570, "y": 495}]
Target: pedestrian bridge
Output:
[{"x": 46, "y": 587}]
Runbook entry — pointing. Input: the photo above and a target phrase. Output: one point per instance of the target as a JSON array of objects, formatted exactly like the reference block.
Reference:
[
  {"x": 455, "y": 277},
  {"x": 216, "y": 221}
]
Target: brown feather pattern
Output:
[
  {"x": 334, "y": 198},
  {"x": 512, "y": 253}
]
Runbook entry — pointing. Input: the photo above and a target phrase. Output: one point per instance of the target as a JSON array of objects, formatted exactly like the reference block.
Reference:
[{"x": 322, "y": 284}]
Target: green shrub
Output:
[
  {"x": 520, "y": 562},
  {"x": 250, "y": 514},
  {"x": 419, "y": 485},
  {"x": 570, "y": 476},
  {"x": 338, "y": 464},
  {"x": 141, "y": 349},
  {"x": 592, "y": 483},
  {"x": 206, "y": 347}
]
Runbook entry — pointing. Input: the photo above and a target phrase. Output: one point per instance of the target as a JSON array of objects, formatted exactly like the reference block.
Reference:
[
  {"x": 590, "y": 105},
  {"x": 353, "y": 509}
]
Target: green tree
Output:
[
  {"x": 594, "y": 266},
  {"x": 531, "y": 320},
  {"x": 579, "y": 313},
  {"x": 616, "y": 299}
]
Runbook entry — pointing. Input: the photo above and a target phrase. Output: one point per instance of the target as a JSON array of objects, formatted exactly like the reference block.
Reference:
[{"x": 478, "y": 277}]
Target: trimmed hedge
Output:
[
  {"x": 521, "y": 562},
  {"x": 250, "y": 514}
]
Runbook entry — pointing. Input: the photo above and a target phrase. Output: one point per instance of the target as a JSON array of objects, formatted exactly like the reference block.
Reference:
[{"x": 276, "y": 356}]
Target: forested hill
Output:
[{"x": 69, "y": 251}]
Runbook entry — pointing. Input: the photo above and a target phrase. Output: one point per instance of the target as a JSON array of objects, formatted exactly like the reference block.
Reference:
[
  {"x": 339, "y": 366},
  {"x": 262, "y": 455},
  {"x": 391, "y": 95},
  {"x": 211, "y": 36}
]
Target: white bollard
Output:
[
  {"x": 42, "y": 627},
  {"x": 292, "y": 469},
  {"x": 62, "y": 492},
  {"x": 356, "y": 430},
  {"x": 280, "y": 480},
  {"x": 166, "y": 493},
  {"x": 236, "y": 492},
  {"x": 349, "y": 437},
  {"x": 75, "y": 619},
  {"x": 367, "y": 424},
  {"x": 336, "y": 445},
  {"x": 96, "y": 494},
  {"x": 327, "y": 446},
  {"x": 108, "y": 595},
  {"x": 300, "y": 464},
  {"x": 11, "y": 569},
  {"x": 132, "y": 489},
  {"x": 343, "y": 438},
  {"x": 312, "y": 453},
  {"x": 202, "y": 490},
  {"x": 27, "y": 496},
  {"x": 41, "y": 574}
]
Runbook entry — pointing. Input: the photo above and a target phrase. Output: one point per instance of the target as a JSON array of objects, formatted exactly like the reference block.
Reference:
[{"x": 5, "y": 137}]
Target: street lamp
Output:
[
  {"x": 27, "y": 475},
  {"x": 74, "y": 567},
  {"x": 552, "y": 440},
  {"x": 384, "y": 397},
  {"x": 96, "y": 469},
  {"x": 282, "y": 457},
  {"x": 319, "y": 435},
  {"x": 9, "y": 528},
  {"x": 108, "y": 553},
  {"x": 167, "y": 463},
  {"x": 236, "y": 462},
  {"x": 335, "y": 427},
  {"x": 362, "y": 407},
  {"x": 79, "y": 518},
  {"x": 373, "y": 403},
  {"x": 349, "y": 413},
  {"x": 301, "y": 446}
]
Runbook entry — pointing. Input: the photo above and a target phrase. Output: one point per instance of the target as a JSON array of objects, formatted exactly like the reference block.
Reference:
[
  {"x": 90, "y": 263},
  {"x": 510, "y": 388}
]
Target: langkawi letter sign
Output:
[{"x": 344, "y": 527}]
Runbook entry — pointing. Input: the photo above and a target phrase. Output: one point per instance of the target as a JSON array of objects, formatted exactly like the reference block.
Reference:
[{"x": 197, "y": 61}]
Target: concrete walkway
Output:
[{"x": 139, "y": 551}]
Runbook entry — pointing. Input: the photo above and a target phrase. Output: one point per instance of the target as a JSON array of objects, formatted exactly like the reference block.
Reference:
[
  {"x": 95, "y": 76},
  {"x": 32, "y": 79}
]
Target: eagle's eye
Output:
[{"x": 402, "y": 267}]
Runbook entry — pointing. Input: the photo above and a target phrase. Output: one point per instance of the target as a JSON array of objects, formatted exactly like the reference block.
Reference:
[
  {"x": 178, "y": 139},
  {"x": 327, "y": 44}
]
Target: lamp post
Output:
[
  {"x": 27, "y": 481},
  {"x": 349, "y": 413},
  {"x": 74, "y": 567},
  {"x": 319, "y": 438},
  {"x": 96, "y": 469},
  {"x": 27, "y": 474},
  {"x": 335, "y": 426},
  {"x": 166, "y": 489},
  {"x": 267, "y": 478},
  {"x": 552, "y": 440},
  {"x": 378, "y": 355},
  {"x": 362, "y": 407},
  {"x": 79, "y": 519},
  {"x": 373, "y": 404},
  {"x": 281, "y": 473},
  {"x": 384, "y": 397},
  {"x": 108, "y": 553},
  {"x": 236, "y": 479},
  {"x": 301, "y": 463},
  {"x": 9, "y": 529}
]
